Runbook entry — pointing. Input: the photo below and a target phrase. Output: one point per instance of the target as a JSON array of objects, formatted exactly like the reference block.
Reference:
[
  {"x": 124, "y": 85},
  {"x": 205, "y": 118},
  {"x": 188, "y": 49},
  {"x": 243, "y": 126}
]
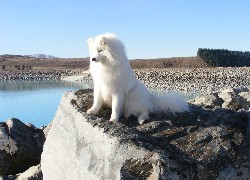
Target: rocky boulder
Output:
[
  {"x": 210, "y": 100},
  {"x": 206, "y": 143},
  {"x": 20, "y": 146},
  {"x": 230, "y": 98}
]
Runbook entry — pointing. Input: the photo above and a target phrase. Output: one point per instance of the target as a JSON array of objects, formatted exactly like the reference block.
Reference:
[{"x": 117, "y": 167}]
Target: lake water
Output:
[
  {"x": 33, "y": 102},
  {"x": 36, "y": 102}
]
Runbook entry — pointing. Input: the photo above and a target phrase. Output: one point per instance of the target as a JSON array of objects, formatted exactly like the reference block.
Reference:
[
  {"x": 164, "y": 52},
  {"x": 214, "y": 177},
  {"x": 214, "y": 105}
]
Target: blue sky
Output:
[{"x": 148, "y": 28}]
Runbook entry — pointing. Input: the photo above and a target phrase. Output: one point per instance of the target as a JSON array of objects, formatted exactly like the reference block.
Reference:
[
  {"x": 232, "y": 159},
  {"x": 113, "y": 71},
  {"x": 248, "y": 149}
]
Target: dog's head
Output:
[
  {"x": 105, "y": 48},
  {"x": 97, "y": 48}
]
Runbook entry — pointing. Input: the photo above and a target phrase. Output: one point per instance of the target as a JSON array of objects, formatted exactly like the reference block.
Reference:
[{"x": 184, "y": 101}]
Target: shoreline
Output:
[
  {"x": 37, "y": 75},
  {"x": 76, "y": 77},
  {"x": 197, "y": 80}
]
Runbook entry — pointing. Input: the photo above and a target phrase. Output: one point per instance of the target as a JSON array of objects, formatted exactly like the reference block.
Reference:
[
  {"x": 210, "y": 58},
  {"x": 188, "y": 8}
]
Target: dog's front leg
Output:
[
  {"x": 117, "y": 104},
  {"x": 97, "y": 102}
]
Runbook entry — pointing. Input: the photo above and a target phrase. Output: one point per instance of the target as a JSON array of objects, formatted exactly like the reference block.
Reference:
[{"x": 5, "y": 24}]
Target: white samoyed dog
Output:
[{"x": 116, "y": 86}]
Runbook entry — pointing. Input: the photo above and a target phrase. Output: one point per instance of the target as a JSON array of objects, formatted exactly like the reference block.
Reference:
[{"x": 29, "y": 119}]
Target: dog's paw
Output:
[
  {"x": 141, "y": 121},
  {"x": 143, "y": 117},
  {"x": 112, "y": 119},
  {"x": 91, "y": 111}
]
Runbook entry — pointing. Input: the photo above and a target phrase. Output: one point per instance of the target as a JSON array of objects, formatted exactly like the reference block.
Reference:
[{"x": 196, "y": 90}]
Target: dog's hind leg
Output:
[
  {"x": 117, "y": 104},
  {"x": 143, "y": 117}
]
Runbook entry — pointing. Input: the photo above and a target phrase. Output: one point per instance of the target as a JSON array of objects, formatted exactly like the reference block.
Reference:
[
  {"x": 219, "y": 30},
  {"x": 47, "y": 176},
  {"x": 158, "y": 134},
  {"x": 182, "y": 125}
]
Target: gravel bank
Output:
[
  {"x": 200, "y": 80},
  {"x": 36, "y": 75}
]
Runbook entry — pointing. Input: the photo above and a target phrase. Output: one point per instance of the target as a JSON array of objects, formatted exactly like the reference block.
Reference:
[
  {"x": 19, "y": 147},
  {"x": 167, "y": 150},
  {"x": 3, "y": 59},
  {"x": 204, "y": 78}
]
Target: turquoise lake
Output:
[
  {"x": 36, "y": 102},
  {"x": 33, "y": 102}
]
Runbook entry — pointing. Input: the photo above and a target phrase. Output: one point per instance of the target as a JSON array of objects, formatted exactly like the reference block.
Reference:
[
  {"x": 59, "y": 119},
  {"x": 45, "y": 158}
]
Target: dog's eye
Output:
[{"x": 99, "y": 50}]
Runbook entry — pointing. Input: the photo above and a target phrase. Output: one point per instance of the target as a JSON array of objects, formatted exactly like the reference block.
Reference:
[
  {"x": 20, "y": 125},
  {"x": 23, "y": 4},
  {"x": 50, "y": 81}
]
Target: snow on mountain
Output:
[{"x": 44, "y": 56}]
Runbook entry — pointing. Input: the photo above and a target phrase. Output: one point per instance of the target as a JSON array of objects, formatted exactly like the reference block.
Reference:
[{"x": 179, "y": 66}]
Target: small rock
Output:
[
  {"x": 208, "y": 101},
  {"x": 33, "y": 173}
]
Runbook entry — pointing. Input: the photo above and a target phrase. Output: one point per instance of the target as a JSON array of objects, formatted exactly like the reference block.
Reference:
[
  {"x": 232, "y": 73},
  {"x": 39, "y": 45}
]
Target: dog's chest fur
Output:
[{"x": 108, "y": 80}]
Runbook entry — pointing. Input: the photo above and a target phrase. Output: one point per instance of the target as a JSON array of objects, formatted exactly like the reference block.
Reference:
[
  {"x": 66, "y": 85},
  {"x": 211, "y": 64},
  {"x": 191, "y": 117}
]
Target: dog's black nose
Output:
[{"x": 93, "y": 59}]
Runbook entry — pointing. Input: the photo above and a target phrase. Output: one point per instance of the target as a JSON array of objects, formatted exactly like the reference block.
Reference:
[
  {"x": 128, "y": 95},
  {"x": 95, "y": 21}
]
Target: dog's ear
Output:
[
  {"x": 90, "y": 40},
  {"x": 103, "y": 41}
]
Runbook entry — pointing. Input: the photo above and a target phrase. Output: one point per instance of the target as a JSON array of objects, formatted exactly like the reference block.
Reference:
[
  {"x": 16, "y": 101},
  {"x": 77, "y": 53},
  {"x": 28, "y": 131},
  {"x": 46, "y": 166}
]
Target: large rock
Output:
[
  {"x": 74, "y": 149},
  {"x": 202, "y": 144},
  {"x": 20, "y": 146}
]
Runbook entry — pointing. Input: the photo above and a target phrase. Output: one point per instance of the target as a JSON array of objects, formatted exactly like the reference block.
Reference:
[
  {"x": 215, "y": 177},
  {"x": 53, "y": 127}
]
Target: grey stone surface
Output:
[
  {"x": 203, "y": 144},
  {"x": 234, "y": 174},
  {"x": 20, "y": 146}
]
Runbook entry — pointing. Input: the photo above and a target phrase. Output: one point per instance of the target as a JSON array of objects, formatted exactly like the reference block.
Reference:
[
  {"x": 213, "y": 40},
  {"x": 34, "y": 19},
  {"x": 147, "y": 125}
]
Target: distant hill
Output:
[
  {"x": 174, "y": 62},
  {"x": 44, "y": 63},
  {"x": 27, "y": 56},
  {"x": 9, "y": 62}
]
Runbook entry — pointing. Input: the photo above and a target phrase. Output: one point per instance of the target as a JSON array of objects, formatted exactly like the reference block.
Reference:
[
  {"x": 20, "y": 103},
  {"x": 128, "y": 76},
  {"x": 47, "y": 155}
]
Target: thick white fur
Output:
[{"x": 116, "y": 85}]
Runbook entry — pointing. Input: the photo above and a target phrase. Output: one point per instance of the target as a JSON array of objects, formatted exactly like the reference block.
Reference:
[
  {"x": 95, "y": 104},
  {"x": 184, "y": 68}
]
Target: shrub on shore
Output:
[{"x": 224, "y": 57}]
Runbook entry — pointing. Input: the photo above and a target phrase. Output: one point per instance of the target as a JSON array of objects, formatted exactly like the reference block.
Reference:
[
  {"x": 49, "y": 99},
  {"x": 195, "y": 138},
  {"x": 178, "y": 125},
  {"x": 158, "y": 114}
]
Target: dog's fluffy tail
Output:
[{"x": 170, "y": 103}]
